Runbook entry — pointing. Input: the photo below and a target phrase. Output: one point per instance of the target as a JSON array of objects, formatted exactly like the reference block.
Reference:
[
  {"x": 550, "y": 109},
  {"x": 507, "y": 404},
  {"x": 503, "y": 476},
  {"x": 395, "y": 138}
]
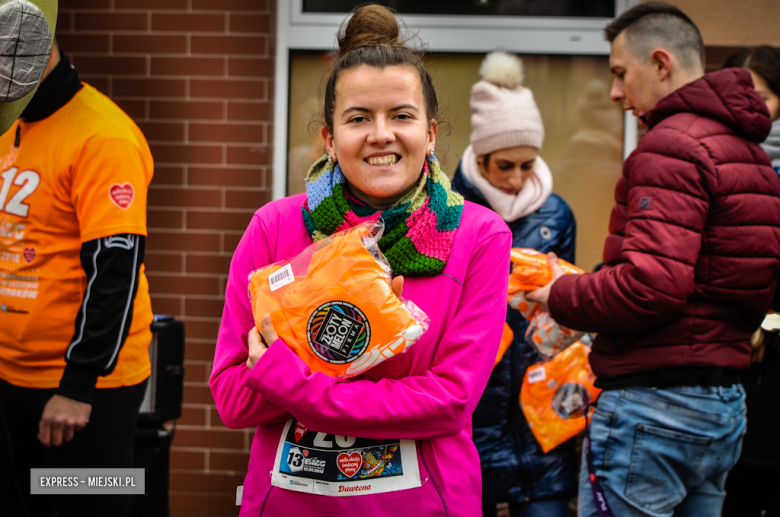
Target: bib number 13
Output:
[{"x": 28, "y": 180}]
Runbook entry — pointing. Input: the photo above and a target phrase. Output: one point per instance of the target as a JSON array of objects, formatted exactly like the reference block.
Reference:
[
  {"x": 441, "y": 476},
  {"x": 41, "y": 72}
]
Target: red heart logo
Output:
[
  {"x": 305, "y": 453},
  {"x": 29, "y": 254},
  {"x": 122, "y": 195},
  {"x": 300, "y": 430},
  {"x": 349, "y": 464}
]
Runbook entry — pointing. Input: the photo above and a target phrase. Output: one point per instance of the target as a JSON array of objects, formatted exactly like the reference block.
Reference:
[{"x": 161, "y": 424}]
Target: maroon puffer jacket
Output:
[{"x": 694, "y": 248}]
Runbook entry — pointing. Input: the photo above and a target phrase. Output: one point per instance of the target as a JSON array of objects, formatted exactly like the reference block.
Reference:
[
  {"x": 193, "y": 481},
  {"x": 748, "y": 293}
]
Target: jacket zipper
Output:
[
  {"x": 430, "y": 475},
  {"x": 18, "y": 135}
]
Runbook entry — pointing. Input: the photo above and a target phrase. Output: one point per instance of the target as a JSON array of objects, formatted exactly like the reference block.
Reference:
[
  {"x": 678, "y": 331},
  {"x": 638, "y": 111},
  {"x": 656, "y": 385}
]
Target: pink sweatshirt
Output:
[{"x": 426, "y": 394}]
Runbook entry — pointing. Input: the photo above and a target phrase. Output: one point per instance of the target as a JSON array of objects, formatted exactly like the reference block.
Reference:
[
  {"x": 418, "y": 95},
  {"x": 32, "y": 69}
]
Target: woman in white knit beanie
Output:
[{"x": 503, "y": 171}]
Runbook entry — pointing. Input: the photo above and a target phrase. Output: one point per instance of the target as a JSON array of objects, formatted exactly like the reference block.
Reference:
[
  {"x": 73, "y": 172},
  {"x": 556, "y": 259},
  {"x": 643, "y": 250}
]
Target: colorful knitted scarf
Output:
[{"x": 419, "y": 227}]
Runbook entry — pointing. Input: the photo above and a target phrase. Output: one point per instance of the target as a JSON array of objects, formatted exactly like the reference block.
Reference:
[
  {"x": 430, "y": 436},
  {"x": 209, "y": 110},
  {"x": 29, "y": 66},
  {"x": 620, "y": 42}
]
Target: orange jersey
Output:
[
  {"x": 334, "y": 306},
  {"x": 76, "y": 176}
]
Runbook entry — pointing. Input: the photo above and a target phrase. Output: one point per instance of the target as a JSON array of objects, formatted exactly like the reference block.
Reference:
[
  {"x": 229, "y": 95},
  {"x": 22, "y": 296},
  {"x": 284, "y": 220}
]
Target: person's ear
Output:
[
  {"x": 662, "y": 63},
  {"x": 433, "y": 130},
  {"x": 327, "y": 136}
]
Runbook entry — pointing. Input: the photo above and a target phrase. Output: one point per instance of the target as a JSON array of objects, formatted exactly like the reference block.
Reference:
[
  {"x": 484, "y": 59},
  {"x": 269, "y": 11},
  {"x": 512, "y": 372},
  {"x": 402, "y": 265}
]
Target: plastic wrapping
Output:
[
  {"x": 555, "y": 395},
  {"x": 546, "y": 335},
  {"x": 334, "y": 306},
  {"x": 549, "y": 337},
  {"x": 531, "y": 270}
]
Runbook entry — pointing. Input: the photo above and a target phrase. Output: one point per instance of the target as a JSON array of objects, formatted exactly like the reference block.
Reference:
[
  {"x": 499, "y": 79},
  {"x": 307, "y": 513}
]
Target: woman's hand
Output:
[
  {"x": 542, "y": 294},
  {"x": 259, "y": 341},
  {"x": 397, "y": 284}
]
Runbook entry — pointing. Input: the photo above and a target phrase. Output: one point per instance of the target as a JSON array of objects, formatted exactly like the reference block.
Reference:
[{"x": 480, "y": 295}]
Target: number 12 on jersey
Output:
[{"x": 28, "y": 180}]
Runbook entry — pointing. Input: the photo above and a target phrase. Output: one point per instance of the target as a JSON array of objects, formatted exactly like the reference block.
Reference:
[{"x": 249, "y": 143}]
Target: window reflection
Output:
[{"x": 586, "y": 174}]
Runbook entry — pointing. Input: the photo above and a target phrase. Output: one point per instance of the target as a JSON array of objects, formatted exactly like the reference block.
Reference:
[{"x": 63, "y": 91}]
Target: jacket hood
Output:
[{"x": 727, "y": 96}]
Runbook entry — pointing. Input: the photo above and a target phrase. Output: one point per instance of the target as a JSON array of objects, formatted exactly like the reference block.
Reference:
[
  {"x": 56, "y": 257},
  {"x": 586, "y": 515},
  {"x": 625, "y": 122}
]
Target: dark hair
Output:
[
  {"x": 373, "y": 37},
  {"x": 763, "y": 61},
  {"x": 652, "y": 23}
]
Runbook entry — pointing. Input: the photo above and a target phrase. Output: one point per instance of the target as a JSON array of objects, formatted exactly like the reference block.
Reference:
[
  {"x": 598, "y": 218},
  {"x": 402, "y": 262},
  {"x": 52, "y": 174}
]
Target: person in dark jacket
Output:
[
  {"x": 691, "y": 267},
  {"x": 752, "y": 481},
  {"x": 502, "y": 170}
]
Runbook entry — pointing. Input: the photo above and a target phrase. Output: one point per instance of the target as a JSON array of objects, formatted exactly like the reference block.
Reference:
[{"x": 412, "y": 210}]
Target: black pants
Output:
[
  {"x": 106, "y": 442},
  {"x": 752, "y": 491},
  {"x": 549, "y": 507}
]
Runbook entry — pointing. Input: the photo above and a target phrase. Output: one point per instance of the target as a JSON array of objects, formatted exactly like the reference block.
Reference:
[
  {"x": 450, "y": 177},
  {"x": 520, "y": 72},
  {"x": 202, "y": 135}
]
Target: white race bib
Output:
[{"x": 327, "y": 464}]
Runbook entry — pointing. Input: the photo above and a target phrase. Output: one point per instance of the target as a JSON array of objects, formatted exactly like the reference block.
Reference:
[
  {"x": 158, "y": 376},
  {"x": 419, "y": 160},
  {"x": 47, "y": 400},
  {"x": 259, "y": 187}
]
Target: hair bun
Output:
[
  {"x": 370, "y": 26},
  {"x": 502, "y": 69}
]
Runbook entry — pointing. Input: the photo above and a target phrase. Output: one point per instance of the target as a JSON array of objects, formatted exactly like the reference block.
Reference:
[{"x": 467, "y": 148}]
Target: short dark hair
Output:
[
  {"x": 653, "y": 23},
  {"x": 762, "y": 60}
]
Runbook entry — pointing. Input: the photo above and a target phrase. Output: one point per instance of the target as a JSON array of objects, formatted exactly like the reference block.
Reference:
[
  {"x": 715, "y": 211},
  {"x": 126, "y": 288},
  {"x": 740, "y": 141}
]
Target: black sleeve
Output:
[{"x": 112, "y": 266}]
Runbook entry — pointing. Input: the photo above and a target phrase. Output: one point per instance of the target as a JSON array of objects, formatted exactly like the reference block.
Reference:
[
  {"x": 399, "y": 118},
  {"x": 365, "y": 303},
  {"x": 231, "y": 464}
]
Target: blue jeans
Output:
[{"x": 664, "y": 452}]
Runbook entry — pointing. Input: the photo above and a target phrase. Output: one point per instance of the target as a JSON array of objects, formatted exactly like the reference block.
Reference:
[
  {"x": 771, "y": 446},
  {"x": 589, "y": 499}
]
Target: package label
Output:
[
  {"x": 536, "y": 374},
  {"x": 281, "y": 278},
  {"x": 342, "y": 466}
]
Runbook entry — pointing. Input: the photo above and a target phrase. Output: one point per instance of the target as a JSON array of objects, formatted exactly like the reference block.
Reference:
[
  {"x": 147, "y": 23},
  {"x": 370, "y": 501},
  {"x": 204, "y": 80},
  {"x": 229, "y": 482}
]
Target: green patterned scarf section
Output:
[{"x": 419, "y": 227}]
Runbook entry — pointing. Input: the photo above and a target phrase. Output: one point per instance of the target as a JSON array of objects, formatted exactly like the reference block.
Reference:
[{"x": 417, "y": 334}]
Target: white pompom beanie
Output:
[{"x": 503, "y": 111}]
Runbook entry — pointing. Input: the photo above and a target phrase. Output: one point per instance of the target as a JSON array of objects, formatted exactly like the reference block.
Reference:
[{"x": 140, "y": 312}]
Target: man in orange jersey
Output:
[{"x": 74, "y": 301}]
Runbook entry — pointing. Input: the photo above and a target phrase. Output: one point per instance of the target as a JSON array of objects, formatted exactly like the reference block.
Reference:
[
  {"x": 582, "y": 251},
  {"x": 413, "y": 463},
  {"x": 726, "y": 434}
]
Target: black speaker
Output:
[{"x": 166, "y": 382}]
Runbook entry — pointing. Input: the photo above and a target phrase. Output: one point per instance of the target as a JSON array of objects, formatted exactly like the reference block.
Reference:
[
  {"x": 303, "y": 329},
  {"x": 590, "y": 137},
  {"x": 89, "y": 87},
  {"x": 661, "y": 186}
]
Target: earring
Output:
[
  {"x": 330, "y": 159},
  {"x": 432, "y": 155}
]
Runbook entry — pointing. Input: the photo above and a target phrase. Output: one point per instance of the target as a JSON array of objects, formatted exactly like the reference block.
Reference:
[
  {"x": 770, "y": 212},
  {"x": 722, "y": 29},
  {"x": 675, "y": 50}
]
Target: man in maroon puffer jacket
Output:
[{"x": 690, "y": 270}]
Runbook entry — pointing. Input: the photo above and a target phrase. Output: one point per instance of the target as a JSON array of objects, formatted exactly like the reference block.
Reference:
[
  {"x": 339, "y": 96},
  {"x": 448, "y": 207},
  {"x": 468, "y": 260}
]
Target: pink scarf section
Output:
[{"x": 511, "y": 207}]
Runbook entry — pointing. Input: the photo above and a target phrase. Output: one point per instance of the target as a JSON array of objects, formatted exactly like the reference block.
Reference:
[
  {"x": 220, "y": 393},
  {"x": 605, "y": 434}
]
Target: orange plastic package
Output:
[
  {"x": 555, "y": 395},
  {"x": 334, "y": 306},
  {"x": 545, "y": 334},
  {"x": 506, "y": 339},
  {"x": 532, "y": 271}
]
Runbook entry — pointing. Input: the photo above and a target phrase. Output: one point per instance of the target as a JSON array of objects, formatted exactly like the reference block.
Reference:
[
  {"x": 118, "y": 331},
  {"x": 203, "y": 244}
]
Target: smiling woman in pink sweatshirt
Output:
[{"x": 397, "y": 439}]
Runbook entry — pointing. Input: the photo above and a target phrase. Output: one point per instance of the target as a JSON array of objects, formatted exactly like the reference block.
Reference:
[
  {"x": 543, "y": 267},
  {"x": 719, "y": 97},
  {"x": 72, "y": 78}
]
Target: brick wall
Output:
[{"x": 196, "y": 76}]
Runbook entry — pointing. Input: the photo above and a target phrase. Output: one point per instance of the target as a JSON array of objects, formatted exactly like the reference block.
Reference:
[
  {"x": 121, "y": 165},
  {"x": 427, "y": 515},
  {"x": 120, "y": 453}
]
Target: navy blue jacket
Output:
[{"x": 514, "y": 468}]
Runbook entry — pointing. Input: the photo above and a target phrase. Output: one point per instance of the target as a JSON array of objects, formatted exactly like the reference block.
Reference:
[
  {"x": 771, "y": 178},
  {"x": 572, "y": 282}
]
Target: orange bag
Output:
[
  {"x": 334, "y": 306},
  {"x": 532, "y": 271},
  {"x": 545, "y": 334},
  {"x": 548, "y": 336},
  {"x": 506, "y": 339},
  {"x": 555, "y": 395}
]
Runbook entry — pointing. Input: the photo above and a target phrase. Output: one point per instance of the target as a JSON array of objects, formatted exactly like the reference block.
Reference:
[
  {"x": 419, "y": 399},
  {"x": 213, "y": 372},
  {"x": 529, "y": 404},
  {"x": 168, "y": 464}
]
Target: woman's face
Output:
[
  {"x": 381, "y": 133},
  {"x": 772, "y": 100},
  {"x": 509, "y": 169}
]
